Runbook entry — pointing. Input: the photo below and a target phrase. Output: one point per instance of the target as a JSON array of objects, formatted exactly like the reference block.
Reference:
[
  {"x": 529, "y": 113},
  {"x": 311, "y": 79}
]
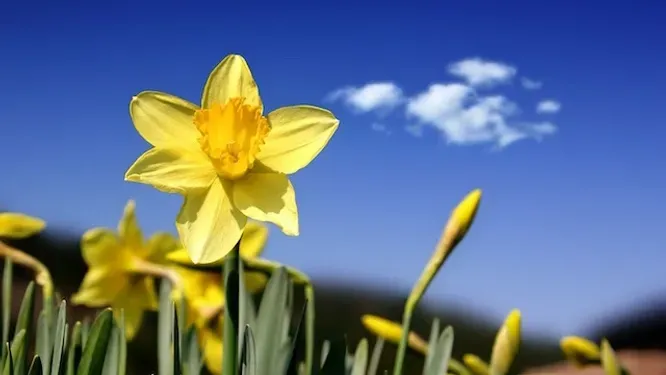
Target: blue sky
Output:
[{"x": 571, "y": 224}]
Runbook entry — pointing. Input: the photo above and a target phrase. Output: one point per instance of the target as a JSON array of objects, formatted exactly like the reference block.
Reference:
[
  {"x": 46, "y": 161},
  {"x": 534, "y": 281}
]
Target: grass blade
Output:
[
  {"x": 194, "y": 362},
  {"x": 360, "y": 358},
  {"x": 432, "y": 342},
  {"x": 59, "y": 343},
  {"x": 376, "y": 356},
  {"x": 74, "y": 350},
  {"x": 24, "y": 322},
  {"x": 164, "y": 327},
  {"x": 122, "y": 344},
  {"x": 231, "y": 312},
  {"x": 35, "y": 366},
  {"x": 6, "y": 303},
  {"x": 8, "y": 368},
  {"x": 249, "y": 353},
  {"x": 176, "y": 340},
  {"x": 441, "y": 353},
  {"x": 17, "y": 349},
  {"x": 92, "y": 360},
  {"x": 271, "y": 321}
]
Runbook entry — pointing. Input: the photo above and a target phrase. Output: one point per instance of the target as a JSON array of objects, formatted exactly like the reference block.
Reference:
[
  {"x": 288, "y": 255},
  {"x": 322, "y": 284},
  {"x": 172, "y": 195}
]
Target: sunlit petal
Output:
[
  {"x": 297, "y": 136},
  {"x": 208, "y": 223},
  {"x": 172, "y": 171},
  {"x": 100, "y": 247},
  {"x": 268, "y": 196},
  {"x": 99, "y": 287},
  {"x": 253, "y": 241},
  {"x": 164, "y": 120},
  {"x": 128, "y": 227},
  {"x": 231, "y": 78}
]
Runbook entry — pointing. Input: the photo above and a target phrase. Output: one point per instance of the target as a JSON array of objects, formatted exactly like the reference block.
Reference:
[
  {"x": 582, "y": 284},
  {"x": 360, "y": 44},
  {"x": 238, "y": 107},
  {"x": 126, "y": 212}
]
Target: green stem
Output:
[
  {"x": 309, "y": 329},
  {"x": 42, "y": 274},
  {"x": 231, "y": 330}
]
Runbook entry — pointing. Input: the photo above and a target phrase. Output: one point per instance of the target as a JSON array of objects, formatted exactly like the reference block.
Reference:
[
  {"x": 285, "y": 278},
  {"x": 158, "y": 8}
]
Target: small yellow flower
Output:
[
  {"x": 392, "y": 332},
  {"x": 609, "y": 361},
  {"x": 114, "y": 276},
  {"x": 506, "y": 344},
  {"x": 203, "y": 294},
  {"x": 475, "y": 364},
  {"x": 210, "y": 341},
  {"x": 252, "y": 245},
  {"x": 228, "y": 159},
  {"x": 16, "y": 225},
  {"x": 579, "y": 350}
]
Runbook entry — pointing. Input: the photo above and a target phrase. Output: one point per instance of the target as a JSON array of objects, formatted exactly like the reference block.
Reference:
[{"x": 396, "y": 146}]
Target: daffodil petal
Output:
[
  {"x": 297, "y": 136},
  {"x": 231, "y": 78},
  {"x": 164, "y": 120},
  {"x": 208, "y": 223},
  {"x": 212, "y": 351},
  {"x": 268, "y": 196},
  {"x": 99, "y": 287},
  {"x": 160, "y": 245},
  {"x": 253, "y": 241},
  {"x": 134, "y": 300},
  {"x": 16, "y": 225},
  {"x": 100, "y": 247},
  {"x": 128, "y": 228},
  {"x": 172, "y": 170}
]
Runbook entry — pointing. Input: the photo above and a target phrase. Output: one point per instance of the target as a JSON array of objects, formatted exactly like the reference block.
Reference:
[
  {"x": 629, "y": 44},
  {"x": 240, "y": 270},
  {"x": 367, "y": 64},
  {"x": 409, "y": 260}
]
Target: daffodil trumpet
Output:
[
  {"x": 455, "y": 230},
  {"x": 42, "y": 274}
]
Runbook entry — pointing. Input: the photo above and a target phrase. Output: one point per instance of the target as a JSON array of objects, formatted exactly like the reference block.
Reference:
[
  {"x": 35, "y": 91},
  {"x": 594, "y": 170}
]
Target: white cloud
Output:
[
  {"x": 373, "y": 96},
  {"x": 529, "y": 84},
  {"x": 548, "y": 106},
  {"x": 380, "y": 128},
  {"x": 479, "y": 72},
  {"x": 463, "y": 117}
]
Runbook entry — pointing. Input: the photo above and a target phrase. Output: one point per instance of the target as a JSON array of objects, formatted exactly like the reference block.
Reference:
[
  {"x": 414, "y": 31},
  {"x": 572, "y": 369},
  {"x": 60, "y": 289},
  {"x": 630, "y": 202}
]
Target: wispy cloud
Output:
[
  {"x": 548, "y": 106},
  {"x": 460, "y": 111},
  {"x": 479, "y": 72},
  {"x": 463, "y": 117},
  {"x": 380, "y": 128},
  {"x": 529, "y": 84},
  {"x": 370, "y": 97}
]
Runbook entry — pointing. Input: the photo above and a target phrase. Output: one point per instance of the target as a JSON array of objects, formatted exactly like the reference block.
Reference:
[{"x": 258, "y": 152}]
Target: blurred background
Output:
[{"x": 554, "y": 111}]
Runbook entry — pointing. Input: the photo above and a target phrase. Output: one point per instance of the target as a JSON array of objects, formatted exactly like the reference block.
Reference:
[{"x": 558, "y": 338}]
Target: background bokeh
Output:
[{"x": 570, "y": 227}]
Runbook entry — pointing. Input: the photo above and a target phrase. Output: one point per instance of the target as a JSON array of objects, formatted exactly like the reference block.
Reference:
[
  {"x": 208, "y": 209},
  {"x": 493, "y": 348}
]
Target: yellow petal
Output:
[
  {"x": 255, "y": 281},
  {"x": 100, "y": 248},
  {"x": 579, "y": 350},
  {"x": 231, "y": 78},
  {"x": 172, "y": 170},
  {"x": 15, "y": 225},
  {"x": 268, "y": 196},
  {"x": 297, "y": 136},
  {"x": 128, "y": 228},
  {"x": 180, "y": 256},
  {"x": 161, "y": 244},
  {"x": 212, "y": 351},
  {"x": 208, "y": 224},
  {"x": 135, "y": 298},
  {"x": 164, "y": 120},
  {"x": 99, "y": 287},
  {"x": 253, "y": 240}
]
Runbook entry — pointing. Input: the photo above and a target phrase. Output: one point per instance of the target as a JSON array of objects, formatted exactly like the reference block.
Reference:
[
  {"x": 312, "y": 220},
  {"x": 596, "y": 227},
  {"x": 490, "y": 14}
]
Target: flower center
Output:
[{"x": 231, "y": 135}]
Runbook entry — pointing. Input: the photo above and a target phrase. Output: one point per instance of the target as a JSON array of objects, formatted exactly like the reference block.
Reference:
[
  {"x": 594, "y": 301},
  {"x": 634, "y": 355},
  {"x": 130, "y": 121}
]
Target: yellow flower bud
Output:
[
  {"x": 463, "y": 215},
  {"x": 579, "y": 351},
  {"x": 608, "y": 360},
  {"x": 392, "y": 332},
  {"x": 15, "y": 225},
  {"x": 475, "y": 364},
  {"x": 506, "y": 344}
]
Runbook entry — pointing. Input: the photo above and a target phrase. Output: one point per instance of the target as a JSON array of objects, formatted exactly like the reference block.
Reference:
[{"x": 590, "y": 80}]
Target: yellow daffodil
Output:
[
  {"x": 579, "y": 350},
  {"x": 203, "y": 294},
  {"x": 210, "y": 341},
  {"x": 475, "y": 364},
  {"x": 120, "y": 272},
  {"x": 16, "y": 225},
  {"x": 252, "y": 245},
  {"x": 392, "y": 331},
  {"x": 507, "y": 342},
  {"x": 228, "y": 159}
]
